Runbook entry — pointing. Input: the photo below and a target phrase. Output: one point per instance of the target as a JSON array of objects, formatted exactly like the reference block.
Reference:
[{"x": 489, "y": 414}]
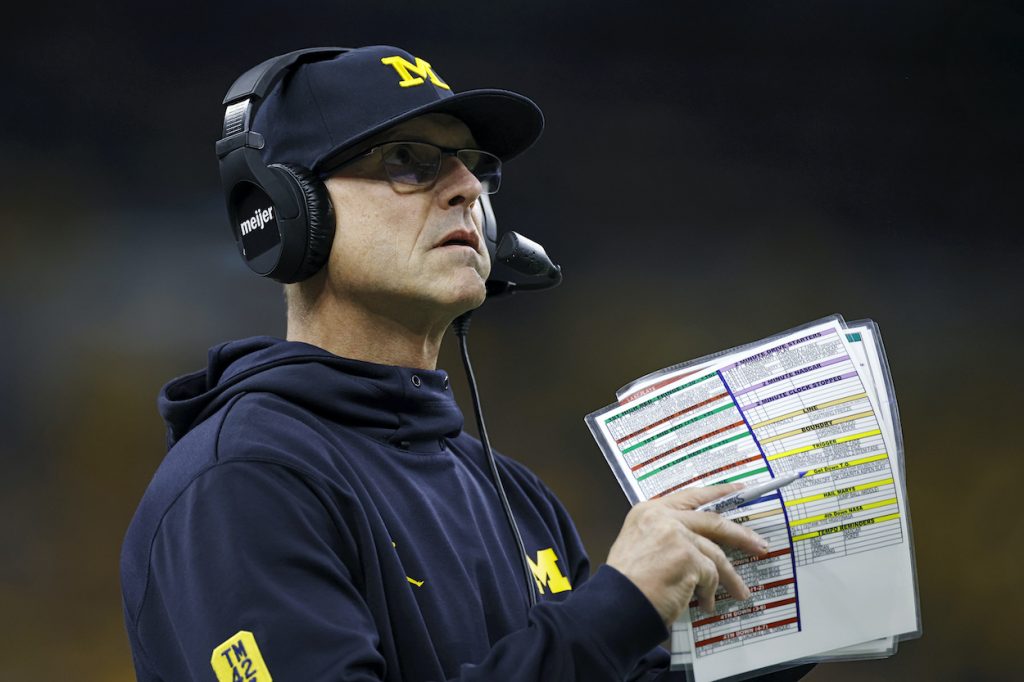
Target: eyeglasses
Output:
[{"x": 418, "y": 164}]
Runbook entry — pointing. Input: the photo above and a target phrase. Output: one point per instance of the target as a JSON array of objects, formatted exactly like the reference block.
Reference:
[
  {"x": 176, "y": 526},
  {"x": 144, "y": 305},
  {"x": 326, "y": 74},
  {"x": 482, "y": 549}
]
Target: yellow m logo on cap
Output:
[
  {"x": 546, "y": 572},
  {"x": 406, "y": 69}
]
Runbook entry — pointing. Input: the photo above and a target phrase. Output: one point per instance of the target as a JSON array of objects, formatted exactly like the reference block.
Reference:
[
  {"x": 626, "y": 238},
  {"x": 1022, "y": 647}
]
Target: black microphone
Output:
[{"x": 526, "y": 257}]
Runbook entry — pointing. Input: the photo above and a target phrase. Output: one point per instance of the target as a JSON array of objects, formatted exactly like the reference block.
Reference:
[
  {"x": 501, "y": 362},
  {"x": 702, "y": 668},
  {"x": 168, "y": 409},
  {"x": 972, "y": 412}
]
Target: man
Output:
[{"x": 320, "y": 514}]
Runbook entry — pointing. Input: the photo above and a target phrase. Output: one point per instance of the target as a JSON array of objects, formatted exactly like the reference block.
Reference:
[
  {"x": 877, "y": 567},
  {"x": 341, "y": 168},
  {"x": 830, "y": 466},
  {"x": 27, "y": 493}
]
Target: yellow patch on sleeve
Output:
[{"x": 238, "y": 659}]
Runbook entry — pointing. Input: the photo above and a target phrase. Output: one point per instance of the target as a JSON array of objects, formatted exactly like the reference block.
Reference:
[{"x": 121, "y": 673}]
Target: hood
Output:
[{"x": 409, "y": 408}]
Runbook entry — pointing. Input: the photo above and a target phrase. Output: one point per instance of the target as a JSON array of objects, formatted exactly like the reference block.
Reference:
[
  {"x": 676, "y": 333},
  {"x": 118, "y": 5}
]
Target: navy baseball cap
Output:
[{"x": 321, "y": 109}]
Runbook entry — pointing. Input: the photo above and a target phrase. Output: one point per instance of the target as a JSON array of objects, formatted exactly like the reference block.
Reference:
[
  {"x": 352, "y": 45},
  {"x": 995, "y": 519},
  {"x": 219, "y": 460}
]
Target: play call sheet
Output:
[{"x": 839, "y": 569}]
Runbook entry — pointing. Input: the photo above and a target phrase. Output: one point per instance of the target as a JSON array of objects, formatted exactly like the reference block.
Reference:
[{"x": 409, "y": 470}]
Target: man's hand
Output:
[{"x": 671, "y": 552}]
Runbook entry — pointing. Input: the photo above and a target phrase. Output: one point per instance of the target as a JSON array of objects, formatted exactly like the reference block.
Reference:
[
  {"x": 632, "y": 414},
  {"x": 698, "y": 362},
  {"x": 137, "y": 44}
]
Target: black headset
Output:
[{"x": 281, "y": 215}]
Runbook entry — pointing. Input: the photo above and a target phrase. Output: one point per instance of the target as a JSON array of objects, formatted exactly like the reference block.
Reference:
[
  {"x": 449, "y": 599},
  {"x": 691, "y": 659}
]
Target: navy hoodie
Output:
[{"x": 319, "y": 518}]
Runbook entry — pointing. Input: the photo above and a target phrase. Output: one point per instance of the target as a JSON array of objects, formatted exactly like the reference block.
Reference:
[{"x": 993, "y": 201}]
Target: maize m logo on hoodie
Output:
[{"x": 546, "y": 572}]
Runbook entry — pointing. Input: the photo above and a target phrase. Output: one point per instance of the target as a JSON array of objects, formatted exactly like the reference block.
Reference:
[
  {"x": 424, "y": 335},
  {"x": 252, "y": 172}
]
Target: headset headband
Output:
[{"x": 244, "y": 97}]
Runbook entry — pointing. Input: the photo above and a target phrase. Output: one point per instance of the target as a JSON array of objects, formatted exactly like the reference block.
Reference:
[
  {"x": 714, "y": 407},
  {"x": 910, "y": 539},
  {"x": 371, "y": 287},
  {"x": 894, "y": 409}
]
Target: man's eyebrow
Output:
[
  {"x": 399, "y": 133},
  {"x": 389, "y": 135},
  {"x": 381, "y": 138},
  {"x": 419, "y": 137}
]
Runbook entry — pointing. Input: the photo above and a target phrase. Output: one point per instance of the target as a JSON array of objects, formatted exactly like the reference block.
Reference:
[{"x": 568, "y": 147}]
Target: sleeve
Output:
[
  {"x": 248, "y": 575},
  {"x": 594, "y": 635},
  {"x": 248, "y": 548}
]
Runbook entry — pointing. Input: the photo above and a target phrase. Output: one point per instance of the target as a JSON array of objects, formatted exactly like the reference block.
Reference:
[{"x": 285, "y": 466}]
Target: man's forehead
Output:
[{"x": 441, "y": 129}]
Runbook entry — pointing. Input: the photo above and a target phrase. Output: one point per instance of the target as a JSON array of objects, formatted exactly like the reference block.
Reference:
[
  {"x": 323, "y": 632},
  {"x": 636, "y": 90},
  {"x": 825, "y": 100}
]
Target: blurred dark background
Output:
[{"x": 711, "y": 173}]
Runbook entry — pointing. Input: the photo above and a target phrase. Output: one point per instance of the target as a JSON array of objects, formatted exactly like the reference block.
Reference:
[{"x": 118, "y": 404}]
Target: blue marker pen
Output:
[{"x": 749, "y": 494}]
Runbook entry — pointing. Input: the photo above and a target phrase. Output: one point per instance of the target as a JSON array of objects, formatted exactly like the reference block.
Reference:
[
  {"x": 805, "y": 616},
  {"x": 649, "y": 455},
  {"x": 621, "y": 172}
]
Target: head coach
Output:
[{"x": 320, "y": 513}]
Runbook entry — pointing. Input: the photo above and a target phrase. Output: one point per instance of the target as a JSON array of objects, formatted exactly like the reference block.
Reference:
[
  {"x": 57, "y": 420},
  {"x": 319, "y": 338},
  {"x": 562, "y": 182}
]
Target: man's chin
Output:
[
  {"x": 470, "y": 298},
  {"x": 450, "y": 294},
  {"x": 467, "y": 293}
]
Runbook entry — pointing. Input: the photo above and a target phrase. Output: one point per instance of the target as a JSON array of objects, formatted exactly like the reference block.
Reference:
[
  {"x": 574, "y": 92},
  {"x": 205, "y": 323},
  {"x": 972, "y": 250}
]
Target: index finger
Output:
[
  {"x": 723, "y": 531},
  {"x": 691, "y": 498}
]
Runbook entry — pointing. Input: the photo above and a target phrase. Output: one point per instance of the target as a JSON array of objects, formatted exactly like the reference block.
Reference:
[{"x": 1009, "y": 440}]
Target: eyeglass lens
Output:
[{"x": 418, "y": 163}]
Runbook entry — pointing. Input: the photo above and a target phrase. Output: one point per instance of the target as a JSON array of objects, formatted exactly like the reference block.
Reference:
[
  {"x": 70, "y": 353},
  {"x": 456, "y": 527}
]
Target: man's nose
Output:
[{"x": 456, "y": 184}]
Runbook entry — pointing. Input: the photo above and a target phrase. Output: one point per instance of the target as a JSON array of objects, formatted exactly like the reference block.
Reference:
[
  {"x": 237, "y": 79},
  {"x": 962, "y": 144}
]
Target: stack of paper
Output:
[{"x": 838, "y": 581}]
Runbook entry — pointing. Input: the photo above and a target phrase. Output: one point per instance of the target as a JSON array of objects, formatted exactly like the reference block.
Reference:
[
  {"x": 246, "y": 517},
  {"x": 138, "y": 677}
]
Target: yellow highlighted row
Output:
[
  {"x": 838, "y": 492},
  {"x": 826, "y": 443},
  {"x": 844, "y": 512},
  {"x": 812, "y": 408},
  {"x": 819, "y": 425},
  {"x": 847, "y": 465},
  {"x": 846, "y": 526}
]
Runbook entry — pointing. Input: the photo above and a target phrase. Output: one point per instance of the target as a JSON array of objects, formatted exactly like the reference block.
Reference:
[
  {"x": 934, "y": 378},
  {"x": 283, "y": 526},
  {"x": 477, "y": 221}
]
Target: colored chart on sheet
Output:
[{"x": 796, "y": 403}]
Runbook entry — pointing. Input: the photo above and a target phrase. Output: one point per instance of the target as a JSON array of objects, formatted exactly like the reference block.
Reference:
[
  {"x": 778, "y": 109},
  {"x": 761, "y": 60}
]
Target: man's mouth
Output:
[{"x": 460, "y": 238}]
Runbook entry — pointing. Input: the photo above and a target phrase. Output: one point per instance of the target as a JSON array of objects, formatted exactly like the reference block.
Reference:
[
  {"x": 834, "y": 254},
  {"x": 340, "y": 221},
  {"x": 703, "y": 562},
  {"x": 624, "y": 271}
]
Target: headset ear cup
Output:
[{"x": 319, "y": 220}]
